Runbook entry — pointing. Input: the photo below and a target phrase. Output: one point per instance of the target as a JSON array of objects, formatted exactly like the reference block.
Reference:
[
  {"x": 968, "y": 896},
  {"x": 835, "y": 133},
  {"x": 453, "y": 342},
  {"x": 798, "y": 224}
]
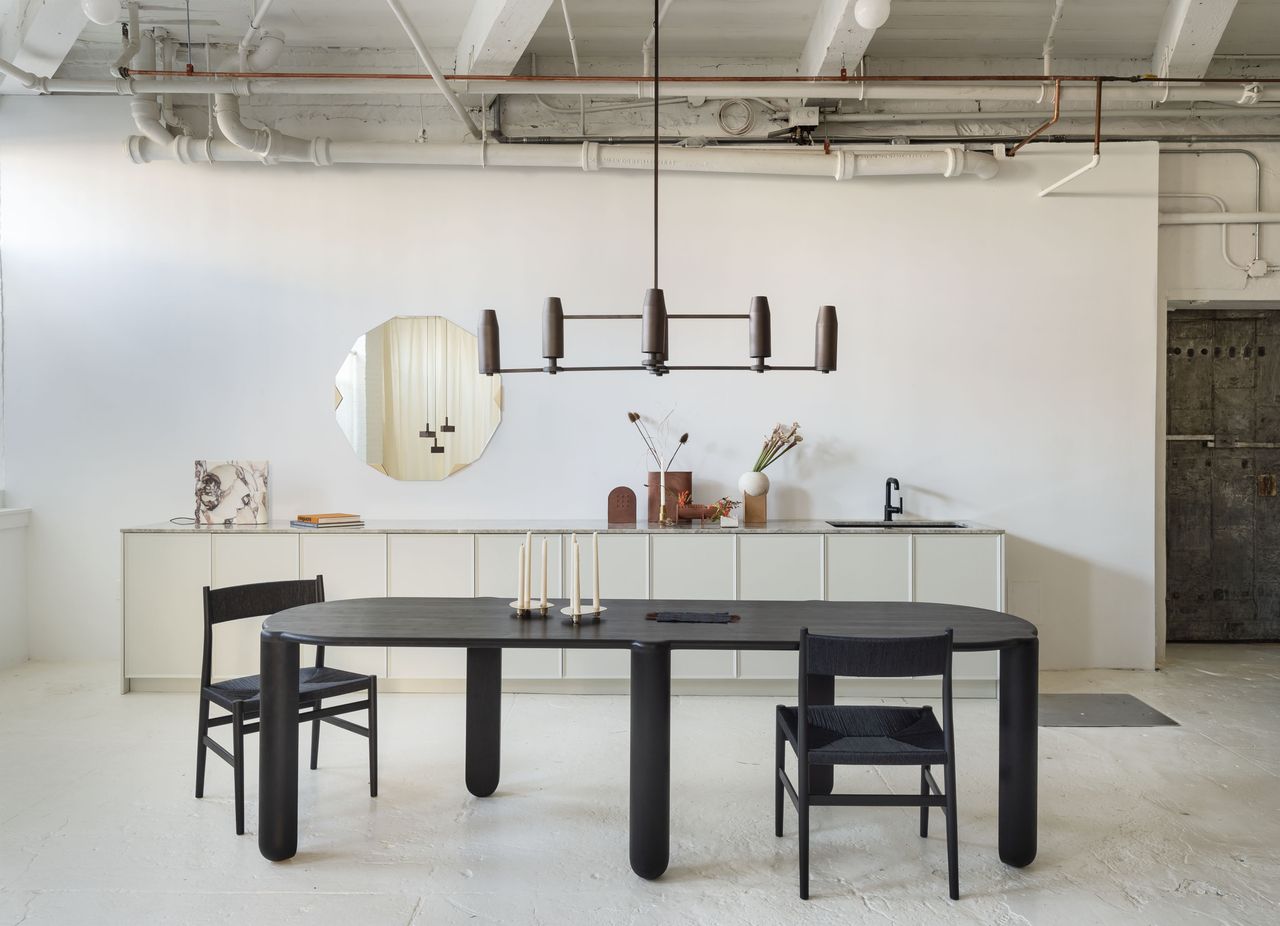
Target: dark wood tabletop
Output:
[{"x": 769, "y": 625}]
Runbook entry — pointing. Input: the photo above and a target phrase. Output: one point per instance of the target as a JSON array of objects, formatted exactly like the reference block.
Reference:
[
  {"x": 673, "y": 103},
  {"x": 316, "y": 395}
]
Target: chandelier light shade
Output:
[
  {"x": 655, "y": 320},
  {"x": 760, "y": 346}
]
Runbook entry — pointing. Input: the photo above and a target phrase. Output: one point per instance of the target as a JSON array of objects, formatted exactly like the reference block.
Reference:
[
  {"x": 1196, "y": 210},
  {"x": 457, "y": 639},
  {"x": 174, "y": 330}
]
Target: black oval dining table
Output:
[{"x": 486, "y": 626}]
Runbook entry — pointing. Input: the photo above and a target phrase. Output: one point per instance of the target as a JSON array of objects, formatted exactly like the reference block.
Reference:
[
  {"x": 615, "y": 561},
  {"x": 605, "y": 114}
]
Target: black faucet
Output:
[{"x": 891, "y": 509}]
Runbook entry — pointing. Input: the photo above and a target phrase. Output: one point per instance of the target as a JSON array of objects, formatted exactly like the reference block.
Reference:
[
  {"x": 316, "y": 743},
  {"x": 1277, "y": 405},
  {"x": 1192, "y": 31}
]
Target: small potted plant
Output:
[{"x": 754, "y": 485}]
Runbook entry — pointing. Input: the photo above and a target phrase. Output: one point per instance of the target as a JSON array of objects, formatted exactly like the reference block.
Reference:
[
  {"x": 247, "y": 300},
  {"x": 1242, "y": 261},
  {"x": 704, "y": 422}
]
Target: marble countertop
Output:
[{"x": 566, "y": 526}]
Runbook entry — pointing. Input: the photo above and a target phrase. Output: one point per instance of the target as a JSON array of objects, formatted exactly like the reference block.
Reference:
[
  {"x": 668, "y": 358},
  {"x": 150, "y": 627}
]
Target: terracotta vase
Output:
[{"x": 677, "y": 482}]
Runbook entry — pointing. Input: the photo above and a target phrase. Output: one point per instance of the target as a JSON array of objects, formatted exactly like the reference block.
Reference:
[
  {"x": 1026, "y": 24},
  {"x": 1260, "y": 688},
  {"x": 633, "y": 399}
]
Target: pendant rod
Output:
[{"x": 656, "y": 71}]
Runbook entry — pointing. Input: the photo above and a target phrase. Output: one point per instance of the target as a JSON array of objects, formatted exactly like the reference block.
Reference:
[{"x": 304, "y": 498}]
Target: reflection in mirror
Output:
[{"x": 410, "y": 401}]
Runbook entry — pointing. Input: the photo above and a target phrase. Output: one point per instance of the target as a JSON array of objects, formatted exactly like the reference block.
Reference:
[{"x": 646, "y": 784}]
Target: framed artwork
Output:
[{"x": 231, "y": 492}]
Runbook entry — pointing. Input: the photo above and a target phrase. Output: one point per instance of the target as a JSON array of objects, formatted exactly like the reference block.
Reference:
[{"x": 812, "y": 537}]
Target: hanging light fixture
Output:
[{"x": 655, "y": 341}]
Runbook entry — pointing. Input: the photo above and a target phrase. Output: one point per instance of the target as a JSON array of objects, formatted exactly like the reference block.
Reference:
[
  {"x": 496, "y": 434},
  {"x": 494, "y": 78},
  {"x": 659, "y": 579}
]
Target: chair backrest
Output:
[
  {"x": 874, "y": 657},
  {"x": 260, "y": 599}
]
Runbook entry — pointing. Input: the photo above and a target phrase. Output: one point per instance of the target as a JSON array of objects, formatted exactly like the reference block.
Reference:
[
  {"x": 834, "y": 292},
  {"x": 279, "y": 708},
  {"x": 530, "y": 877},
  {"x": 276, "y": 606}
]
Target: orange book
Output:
[{"x": 329, "y": 516}]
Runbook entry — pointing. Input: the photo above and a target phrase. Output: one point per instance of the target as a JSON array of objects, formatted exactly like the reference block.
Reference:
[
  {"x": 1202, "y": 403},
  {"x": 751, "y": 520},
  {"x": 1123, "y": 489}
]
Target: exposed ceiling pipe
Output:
[
  {"x": 841, "y": 163},
  {"x": 646, "y": 49},
  {"x": 1222, "y": 207},
  {"x": 1220, "y": 218},
  {"x": 719, "y": 89},
  {"x": 146, "y": 106},
  {"x": 255, "y": 24},
  {"x": 997, "y": 115},
  {"x": 132, "y": 42},
  {"x": 437, "y": 76},
  {"x": 28, "y": 80},
  {"x": 1047, "y": 51}
]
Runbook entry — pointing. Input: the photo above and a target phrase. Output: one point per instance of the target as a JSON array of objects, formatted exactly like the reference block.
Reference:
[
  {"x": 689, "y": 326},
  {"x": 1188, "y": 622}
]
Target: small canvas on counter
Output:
[{"x": 231, "y": 492}]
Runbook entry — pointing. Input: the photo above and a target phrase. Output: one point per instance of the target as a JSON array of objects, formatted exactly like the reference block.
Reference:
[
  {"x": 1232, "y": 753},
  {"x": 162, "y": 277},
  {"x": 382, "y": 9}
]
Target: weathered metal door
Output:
[{"x": 1223, "y": 525}]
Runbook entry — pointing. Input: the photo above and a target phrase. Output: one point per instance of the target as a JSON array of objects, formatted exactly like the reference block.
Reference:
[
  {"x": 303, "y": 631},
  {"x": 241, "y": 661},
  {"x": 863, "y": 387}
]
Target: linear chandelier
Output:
[{"x": 654, "y": 317}]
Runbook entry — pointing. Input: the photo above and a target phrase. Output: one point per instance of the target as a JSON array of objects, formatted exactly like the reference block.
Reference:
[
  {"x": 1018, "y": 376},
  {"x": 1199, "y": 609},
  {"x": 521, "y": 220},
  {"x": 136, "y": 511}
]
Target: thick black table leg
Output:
[
  {"x": 650, "y": 758},
  {"x": 278, "y": 750},
  {"x": 484, "y": 720},
  {"x": 1019, "y": 718},
  {"x": 822, "y": 690}
]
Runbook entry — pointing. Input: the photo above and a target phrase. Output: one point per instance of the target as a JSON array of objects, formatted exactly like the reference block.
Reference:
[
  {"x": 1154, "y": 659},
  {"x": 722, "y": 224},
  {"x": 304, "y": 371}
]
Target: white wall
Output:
[{"x": 997, "y": 350}]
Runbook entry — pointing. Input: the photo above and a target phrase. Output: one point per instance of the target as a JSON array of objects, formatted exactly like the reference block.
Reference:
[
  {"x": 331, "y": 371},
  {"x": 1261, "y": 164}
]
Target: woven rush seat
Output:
[
  {"x": 869, "y": 735},
  {"x": 314, "y": 683}
]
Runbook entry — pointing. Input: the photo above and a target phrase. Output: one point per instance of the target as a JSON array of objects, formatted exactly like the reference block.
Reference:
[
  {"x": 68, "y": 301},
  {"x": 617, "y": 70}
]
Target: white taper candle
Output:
[
  {"x": 575, "y": 605},
  {"x": 544, "y": 573},
  {"x": 528, "y": 569},
  {"x": 595, "y": 570},
  {"x": 520, "y": 578}
]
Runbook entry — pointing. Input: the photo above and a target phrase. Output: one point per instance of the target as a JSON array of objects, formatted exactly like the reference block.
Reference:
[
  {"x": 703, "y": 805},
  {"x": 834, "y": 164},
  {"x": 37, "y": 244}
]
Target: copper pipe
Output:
[
  {"x": 1057, "y": 111},
  {"x": 785, "y": 78}
]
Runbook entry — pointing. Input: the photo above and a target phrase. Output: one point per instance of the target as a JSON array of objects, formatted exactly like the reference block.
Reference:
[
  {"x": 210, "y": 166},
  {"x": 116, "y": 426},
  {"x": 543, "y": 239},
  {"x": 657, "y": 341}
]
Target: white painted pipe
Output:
[
  {"x": 1220, "y": 218},
  {"x": 995, "y": 115},
  {"x": 28, "y": 80},
  {"x": 255, "y": 23},
  {"x": 841, "y": 164},
  {"x": 1054, "y": 187},
  {"x": 646, "y": 49},
  {"x": 437, "y": 76},
  {"x": 130, "y": 49},
  {"x": 145, "y": 106},
  {"x": 720, "y": 90}
]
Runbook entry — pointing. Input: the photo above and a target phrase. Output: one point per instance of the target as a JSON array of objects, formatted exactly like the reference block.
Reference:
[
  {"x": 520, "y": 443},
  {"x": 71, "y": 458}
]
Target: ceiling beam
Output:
[
  {"x": 497, "y": 34},
  {"x": 38, "y": 34},
  {"x": 835, "y": 40},
  {"x": 1189, "y": 36}
]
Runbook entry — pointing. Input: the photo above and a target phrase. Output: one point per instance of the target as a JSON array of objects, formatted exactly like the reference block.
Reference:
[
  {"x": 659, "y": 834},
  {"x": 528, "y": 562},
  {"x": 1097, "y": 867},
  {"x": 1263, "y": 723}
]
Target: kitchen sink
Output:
[{"x": 906, "y": 523}]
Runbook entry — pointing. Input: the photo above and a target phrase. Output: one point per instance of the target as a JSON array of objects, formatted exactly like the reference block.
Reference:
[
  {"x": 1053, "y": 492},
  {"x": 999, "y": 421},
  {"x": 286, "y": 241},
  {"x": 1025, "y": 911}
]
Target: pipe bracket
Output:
[{"x": 1249, "y": 94}]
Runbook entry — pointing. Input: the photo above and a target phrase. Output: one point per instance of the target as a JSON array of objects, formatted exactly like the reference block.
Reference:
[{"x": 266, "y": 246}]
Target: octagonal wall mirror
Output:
[{"x": 411, "y": 402}]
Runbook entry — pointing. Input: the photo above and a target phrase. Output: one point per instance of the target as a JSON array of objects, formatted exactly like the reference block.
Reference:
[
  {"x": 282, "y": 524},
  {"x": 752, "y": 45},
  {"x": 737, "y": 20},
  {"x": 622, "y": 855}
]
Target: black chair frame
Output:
[
  {"x": 265, "y": 598},
  {"x": 868, "y": 657}
]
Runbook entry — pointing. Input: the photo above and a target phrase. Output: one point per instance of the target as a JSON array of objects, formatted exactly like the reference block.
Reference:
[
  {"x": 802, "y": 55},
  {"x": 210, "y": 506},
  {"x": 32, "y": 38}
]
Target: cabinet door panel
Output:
[
  {"x": 496, "y": 575},
  {"x": 353, "y": 566},
  {"x": 867, "y": 567},
  {"x": 961, "y": 570},
  {"x": 239, "y": 559},
  {"x": 429, "y": 566},
  {"x": 699, "y": 567},
  {"x": 777, "y": 567},
  {"x": 164, "y": 611},
  {"x": 624, "y": 573}
]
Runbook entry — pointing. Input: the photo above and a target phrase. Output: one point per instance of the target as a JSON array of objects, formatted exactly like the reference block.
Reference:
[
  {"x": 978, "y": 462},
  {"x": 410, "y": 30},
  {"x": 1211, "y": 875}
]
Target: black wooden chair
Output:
[
  {"x": 240, "y": 696},
  {"x": 869, "y": 734}
]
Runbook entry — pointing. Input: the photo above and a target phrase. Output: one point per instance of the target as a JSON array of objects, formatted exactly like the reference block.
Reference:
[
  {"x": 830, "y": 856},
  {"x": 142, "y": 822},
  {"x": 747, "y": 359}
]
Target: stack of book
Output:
[{"x": 328, "y": 519}]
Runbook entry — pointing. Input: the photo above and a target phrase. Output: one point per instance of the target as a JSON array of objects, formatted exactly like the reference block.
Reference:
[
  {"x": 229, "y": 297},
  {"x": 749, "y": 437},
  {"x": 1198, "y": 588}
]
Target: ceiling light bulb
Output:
[
  {"x": 102, "y": 12},
  {"x": 268, "y": 52},
  {"x": 871, "y": 14}
]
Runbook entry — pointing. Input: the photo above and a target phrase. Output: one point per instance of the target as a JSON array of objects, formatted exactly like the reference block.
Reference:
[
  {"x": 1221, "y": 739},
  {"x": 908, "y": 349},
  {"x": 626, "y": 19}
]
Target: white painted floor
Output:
[{"x": 1163, "y": 825}]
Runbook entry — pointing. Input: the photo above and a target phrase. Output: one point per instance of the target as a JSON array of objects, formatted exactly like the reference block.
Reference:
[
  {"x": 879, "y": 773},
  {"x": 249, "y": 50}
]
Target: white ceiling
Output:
[{"x": 733, "y": 28}]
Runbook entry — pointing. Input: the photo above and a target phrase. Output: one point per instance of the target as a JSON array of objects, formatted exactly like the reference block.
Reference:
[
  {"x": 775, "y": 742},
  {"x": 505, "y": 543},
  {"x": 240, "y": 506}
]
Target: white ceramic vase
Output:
[{"x": 753, "y": 484}]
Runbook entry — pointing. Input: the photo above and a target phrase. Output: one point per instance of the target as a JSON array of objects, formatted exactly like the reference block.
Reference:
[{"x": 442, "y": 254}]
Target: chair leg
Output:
[
  {"x": 237, "y": 752},
  {"x": 315, "y": 741},
  {"x": 924, "y": 808},
  {"x": 780, "y": 758},
  {"x": 373, "y": 736},
  {"x": 953, "y": 857},
  {"x": 804, "y": 847},
  {"x": 202, "y": 730}
]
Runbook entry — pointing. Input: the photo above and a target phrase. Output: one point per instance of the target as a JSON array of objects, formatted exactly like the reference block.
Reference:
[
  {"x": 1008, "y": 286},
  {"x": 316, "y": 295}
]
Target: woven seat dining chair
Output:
[
  {"x": 869, "y": 734},
  {"x": 240, "y": 697}
]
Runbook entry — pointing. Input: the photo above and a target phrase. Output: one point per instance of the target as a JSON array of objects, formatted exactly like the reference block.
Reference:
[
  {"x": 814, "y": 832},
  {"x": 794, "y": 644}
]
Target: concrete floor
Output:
[{"x": 1161, "y": 825}]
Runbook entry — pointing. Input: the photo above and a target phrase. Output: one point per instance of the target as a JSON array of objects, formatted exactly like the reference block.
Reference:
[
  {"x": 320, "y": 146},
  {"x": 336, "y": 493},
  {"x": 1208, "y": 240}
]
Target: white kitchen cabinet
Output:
[
  {"x": 699, "y": 567},
  {"x": 868, "y": 567},
  {"x": 624, "y": 573},
  {"x": 966, "y": 570},
  {"x": 163, "y": 607},
  {"x": 777, "y": 567},
  {"x": 496, "y": 575},
  {"x": 353, "y": 566},
  {"x": 239, "y": 559},
  {"x": 429, "y": 566}
]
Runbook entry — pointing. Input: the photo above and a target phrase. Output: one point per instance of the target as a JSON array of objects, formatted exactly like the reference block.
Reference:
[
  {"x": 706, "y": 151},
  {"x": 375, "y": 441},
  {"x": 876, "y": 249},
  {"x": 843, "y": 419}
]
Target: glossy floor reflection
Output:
[{"x": 1161, "y": 825}]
